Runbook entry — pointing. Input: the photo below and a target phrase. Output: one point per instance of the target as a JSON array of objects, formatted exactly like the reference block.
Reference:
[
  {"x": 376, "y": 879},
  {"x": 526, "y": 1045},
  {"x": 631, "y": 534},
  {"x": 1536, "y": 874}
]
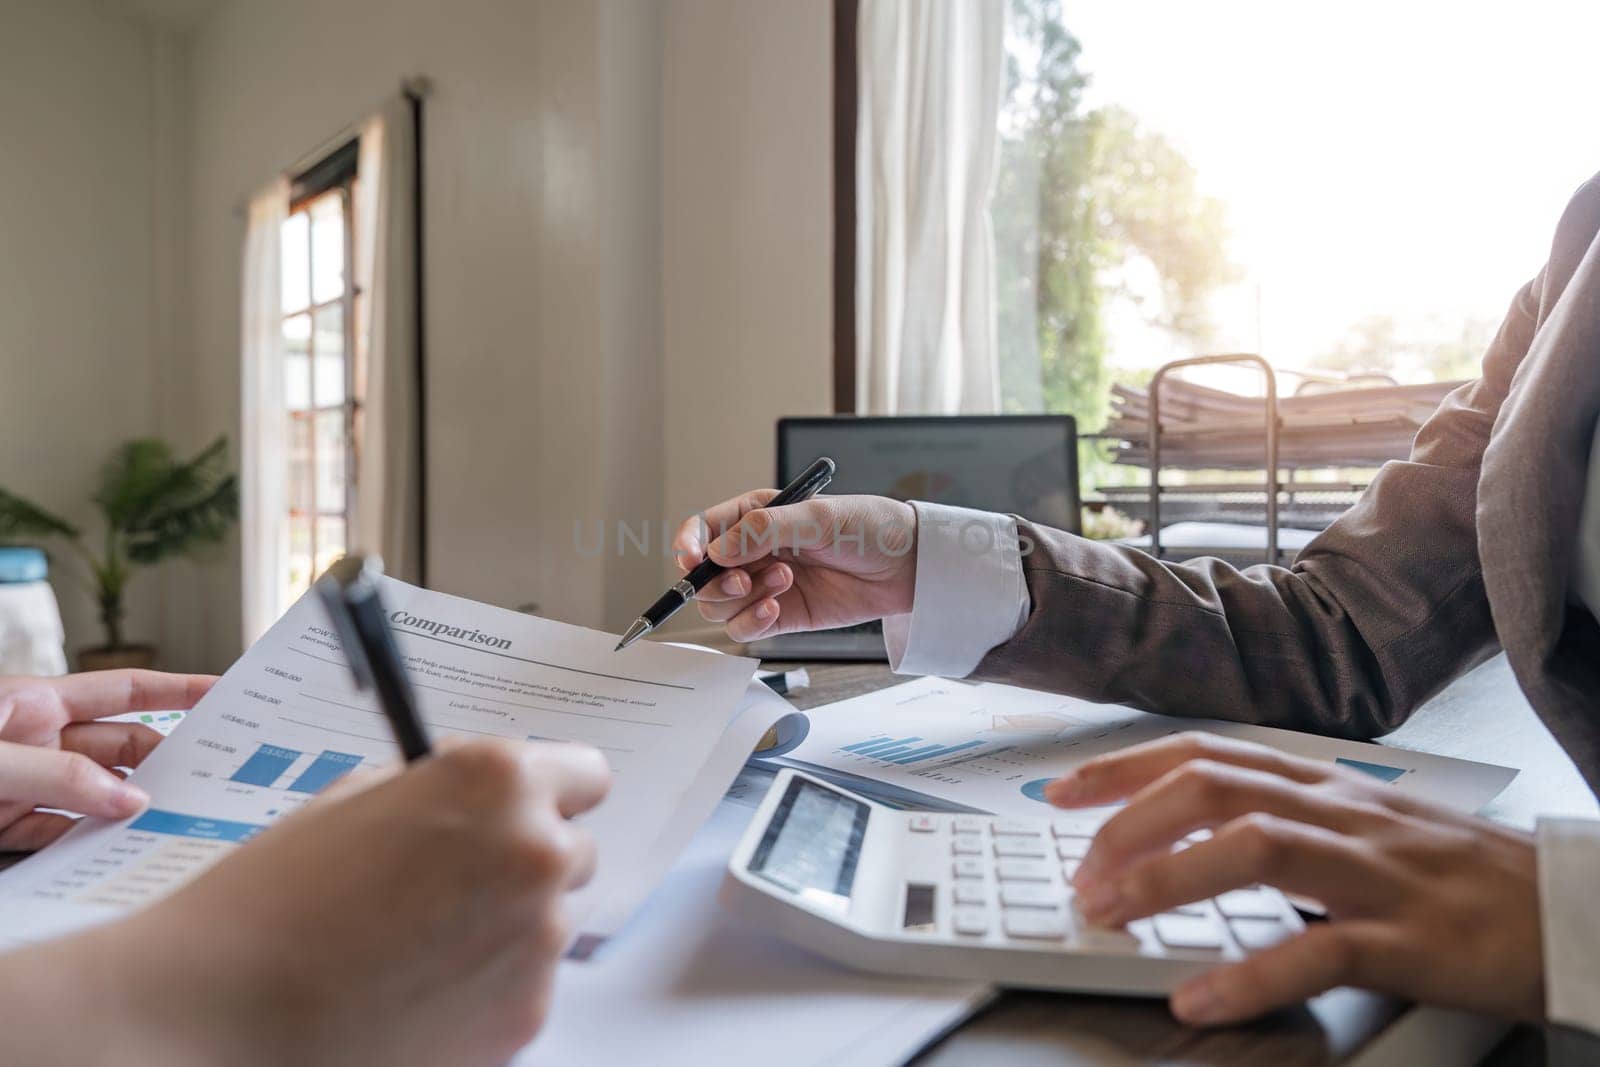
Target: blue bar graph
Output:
[
  {"x": 324, "y": 771},
  {"x": 1377, "y": 770},
  {"x": 265, "y": 766},
  {"x": 892, "y": 751},
  {"x": 867, "y": 748},
  {"x": 157, "y": 821},
  {"x": 904, "y": 750},
  {"x": 935, "y": 751}
]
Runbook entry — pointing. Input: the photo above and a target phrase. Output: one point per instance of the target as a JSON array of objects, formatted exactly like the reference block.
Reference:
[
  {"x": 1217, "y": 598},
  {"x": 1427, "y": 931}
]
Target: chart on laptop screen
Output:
[{"x": 1015, "y": 465}]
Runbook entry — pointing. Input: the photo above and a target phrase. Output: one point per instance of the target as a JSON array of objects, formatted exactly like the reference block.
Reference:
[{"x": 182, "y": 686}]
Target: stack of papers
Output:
[{"x": 1210, "y": 429}]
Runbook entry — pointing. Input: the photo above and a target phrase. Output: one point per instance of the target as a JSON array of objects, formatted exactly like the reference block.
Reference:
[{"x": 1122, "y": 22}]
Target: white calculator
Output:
[{"x": 968, "y": 896}]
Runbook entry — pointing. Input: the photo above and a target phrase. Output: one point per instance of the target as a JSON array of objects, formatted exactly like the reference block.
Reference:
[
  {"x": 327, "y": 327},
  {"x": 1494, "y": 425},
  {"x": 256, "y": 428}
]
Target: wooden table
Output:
[{"x": 1482, "y": 716}]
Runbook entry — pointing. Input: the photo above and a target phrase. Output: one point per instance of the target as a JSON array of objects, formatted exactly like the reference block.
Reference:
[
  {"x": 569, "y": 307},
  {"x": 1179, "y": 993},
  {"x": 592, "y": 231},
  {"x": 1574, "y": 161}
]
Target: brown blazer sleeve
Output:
[{"x": 1375, "y": 615}]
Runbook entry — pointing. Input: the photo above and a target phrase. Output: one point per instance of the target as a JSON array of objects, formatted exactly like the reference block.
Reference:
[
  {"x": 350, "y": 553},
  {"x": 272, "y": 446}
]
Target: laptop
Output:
[{"x": 1017, "y": 464}]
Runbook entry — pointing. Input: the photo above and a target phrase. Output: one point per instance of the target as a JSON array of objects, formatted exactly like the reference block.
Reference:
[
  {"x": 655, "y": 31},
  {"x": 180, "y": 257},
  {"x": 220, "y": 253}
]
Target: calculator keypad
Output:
[
  {"x": 968, "y": 891},
  {"x": 1072, "y": 848},
  {"x": 1187, "y": 931},
  {"x": 1034, "y": 923},
  {"x": 1033, "y": 847},
  {"x": 972, "y": 921},
  {"x": 1014, "y": 876},
  {"x": 1023, "y": 870},
  {"x": 1029, "y": 895}
]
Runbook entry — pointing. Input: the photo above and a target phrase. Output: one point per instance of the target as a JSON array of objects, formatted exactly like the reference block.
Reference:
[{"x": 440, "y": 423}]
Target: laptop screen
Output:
[{"x": 1017, "y": 464}]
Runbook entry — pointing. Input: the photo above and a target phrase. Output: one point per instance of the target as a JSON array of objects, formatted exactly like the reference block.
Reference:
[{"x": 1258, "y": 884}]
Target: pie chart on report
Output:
[{"x": 1034, "y": 790}]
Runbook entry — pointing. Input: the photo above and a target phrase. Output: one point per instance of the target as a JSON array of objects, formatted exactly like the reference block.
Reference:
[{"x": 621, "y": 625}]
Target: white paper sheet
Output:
[
  {"x": 686, "y": 984},
  {"x": 993, "y": 747},
  {"x": 286, "y": 720}
]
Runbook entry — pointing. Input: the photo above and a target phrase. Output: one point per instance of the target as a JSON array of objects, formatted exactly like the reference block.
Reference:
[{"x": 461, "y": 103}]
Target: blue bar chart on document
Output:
[
  {"x": 994, "y": 748},
  {"x": 288, "y": 721},
  {"x": 957, "y": 743},
  {"x": 237, "y": 787}
]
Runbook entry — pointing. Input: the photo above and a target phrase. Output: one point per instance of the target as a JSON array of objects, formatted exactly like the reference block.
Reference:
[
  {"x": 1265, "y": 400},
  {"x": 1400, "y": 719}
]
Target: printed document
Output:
[
  {"x": 993, "y": 748},
  {"x": 286, "y": 721}
]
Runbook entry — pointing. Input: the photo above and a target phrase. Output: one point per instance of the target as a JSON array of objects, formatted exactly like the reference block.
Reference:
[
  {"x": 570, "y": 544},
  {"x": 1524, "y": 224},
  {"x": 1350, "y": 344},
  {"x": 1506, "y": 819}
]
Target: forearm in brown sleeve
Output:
[{"x": 1378, "y": 613}]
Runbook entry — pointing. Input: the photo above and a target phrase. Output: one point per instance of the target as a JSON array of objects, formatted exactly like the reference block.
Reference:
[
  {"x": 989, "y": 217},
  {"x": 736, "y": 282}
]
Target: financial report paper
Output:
[
  {"x": 993, "y": 748},
  {"x": 286, "y": 721}
]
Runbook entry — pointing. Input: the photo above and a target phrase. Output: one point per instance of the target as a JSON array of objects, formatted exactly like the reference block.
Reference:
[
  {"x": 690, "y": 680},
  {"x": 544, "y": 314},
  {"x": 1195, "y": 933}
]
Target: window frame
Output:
[
  {"x": 846, "y": 105},
  {"x": 350, "y": 407}
]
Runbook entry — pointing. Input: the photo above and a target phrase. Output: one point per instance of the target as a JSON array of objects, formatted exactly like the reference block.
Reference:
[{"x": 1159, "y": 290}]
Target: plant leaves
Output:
[
  {"x": 144, "y": 478},
  {"x": 24, "y": 520},
  {"x": 179, "y": 529},
  {"x": 161, "y": 507},
  {"x": 132, "y": 478}
]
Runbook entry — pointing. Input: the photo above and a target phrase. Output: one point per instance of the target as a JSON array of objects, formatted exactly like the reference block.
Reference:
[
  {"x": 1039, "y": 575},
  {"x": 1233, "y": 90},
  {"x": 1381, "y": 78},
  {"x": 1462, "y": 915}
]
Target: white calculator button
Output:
[
  {"x": 1075, "y": 825},
  {"x": 1190, "y": 909},
  {"x": 969, "y": 891},
  {"x": 1069, "y": 869},
  {"x": 1187, "y": 931},
  {"x": 970, "y": 824},
  {"x": 1021, "y": 870},
  {"x": 969, "y": 867},
  {"x": 1072, "y": 848},
  {"x": 1031, "y": 895},
  {"x": 1254, "y": 935},
  {"x": 1034, "y": 923},
  {"x": 967, "y": 844},
  {"x": 1020, "y": 846},
  {"x": 1105, "y": 939},
  {"x": 1016, "y": 826},
  {"x": 923, "y": 824},
  {"x": 971, "y": 921},
  {"x": 1250, "y": 904}
]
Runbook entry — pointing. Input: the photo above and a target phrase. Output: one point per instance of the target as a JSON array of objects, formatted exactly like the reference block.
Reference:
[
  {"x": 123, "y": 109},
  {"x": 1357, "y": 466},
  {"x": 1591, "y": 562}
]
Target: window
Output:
[
  {"x": 1324, "y": 189},
  {"x": 319, "y": 382}
]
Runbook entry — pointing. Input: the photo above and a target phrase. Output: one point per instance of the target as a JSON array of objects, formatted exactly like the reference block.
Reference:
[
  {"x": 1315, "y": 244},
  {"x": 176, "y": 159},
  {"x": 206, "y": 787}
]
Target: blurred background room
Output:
[{"x": 505, "y": 289}]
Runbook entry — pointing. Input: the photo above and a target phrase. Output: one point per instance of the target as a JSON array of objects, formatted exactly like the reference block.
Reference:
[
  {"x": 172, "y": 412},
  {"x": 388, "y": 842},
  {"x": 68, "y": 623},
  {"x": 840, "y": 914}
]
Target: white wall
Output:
[
  {"x": 517, "y": 327},
  {"x": 628, "y": 244},
  {"x": 747, "y": 229},
  {"x": 88, "y": 139},
  {"x": 628, "y": 259}
]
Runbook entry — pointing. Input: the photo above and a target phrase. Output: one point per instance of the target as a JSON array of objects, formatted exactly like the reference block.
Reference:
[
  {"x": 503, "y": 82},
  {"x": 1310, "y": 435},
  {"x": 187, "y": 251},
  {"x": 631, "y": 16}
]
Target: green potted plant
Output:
[{"x": 155, "y": 506}]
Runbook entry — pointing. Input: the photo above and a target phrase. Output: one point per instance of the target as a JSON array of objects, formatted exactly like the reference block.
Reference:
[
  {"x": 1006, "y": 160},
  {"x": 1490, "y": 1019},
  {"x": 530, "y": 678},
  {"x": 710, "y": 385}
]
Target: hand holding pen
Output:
[
  {"x": 349, "y": 590},
  {"x": 823, "y": 563},
  {"x": 810, "y": 482}
]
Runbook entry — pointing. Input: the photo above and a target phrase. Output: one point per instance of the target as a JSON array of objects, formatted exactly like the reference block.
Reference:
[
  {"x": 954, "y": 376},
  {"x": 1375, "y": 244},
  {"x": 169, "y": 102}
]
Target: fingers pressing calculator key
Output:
[{"x": 965, "y": 896}]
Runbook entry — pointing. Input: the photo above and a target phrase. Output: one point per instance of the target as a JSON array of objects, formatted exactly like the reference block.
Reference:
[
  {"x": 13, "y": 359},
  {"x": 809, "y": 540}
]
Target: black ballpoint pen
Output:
[
  {"x": 811, "y": 481},
  {"x": 349, "y": 590}
]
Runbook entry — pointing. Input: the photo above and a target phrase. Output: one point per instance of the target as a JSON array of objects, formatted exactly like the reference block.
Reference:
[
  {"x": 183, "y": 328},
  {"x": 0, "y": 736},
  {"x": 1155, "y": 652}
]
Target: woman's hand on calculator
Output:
[
  {"x": 826, "y": 562},
  {"x": 1424, "y": 902}
]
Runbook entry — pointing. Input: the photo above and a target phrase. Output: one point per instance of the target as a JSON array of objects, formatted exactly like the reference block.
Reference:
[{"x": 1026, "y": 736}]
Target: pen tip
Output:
[{"x": 639, "y": 628}]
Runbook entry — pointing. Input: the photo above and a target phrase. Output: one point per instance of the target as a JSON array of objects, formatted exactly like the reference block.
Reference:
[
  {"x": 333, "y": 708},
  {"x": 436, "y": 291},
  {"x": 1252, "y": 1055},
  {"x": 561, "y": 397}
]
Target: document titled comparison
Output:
[{"x": 286, "y": 721}]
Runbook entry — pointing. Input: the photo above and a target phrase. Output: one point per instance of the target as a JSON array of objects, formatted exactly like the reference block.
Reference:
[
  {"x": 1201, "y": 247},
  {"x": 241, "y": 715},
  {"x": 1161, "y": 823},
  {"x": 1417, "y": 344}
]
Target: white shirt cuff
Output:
[
  {"x": 969, "y": 596},
  {"x": 1569, "y": 869}
]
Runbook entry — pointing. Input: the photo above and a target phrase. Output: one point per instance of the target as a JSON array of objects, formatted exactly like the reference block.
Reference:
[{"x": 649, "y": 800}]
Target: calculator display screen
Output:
[{"x": 813, "y": 843}]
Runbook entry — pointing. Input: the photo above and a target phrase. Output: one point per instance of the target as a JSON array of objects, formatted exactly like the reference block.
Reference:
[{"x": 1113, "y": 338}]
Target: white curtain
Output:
[
  {"x": 388, "y": 516},
  {"x": 928, "y": 114},
  {"x": 264, "y": 419}
]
